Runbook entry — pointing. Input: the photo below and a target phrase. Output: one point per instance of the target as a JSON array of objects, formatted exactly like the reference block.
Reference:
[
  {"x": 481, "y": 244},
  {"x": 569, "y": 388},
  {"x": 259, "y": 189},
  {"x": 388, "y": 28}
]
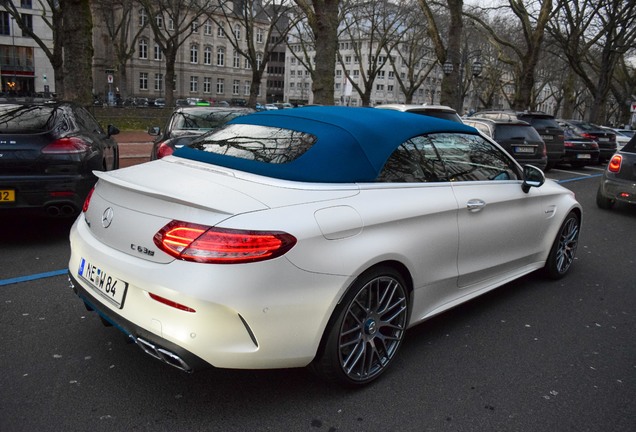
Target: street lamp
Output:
[{"x": 476, "y": 69}]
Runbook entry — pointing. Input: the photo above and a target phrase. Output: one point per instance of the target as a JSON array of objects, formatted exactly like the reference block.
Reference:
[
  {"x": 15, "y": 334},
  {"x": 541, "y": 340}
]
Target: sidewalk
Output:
[{"x": 134, "y": 147}]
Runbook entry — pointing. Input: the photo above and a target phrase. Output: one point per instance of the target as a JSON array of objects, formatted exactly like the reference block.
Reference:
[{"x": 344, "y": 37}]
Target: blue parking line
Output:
[
  {"x": 580, "y": 178},
  {"x": 4, "y": 282}
]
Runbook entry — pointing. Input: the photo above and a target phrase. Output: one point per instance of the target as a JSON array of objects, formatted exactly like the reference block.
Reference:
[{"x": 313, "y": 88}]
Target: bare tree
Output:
[
  {"x": 520, "y": 49},
  {"x": 172, "y": 22},
  {"x": 323, "y": 19},
  {"x": 116, "y": 16},
  {"x": 447, "y": 46},
  {"x": 594, "y": 36},
  {"x": 251, "y": 25}
]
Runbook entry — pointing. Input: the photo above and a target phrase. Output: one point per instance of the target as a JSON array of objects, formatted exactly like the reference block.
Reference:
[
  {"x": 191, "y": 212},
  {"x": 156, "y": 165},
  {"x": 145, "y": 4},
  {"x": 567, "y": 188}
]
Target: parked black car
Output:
[
  {"x": 618, "y": 183},
  {"x": 579, "y": 151},
  {"x": 550, "y": 131},
  {"x": 48, "y": 153},
  {"x": 605, "y": 138},
  {"x": 187, "y": 123},
  {"x": 517, "y": 137}
]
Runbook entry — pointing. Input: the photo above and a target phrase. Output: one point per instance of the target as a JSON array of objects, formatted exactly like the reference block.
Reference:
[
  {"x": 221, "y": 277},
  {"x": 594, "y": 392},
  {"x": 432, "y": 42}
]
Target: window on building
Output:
[
  {"x": 236, "y": 59},
  {"x": 158, "y": 53},
  {"x": 379, "y": 87},
  {"x": 348, "y": 59},
  {"x": 259, "y": 35},
  {"x": 207, "y": 55},
  {"x": 143, "y": 49},
  {"x": 259, "y": 60},
  {"x": 236, "y": 87},
  {"x": 26, "y": 4},
  {"x": 246, "y": 87},
  {"x": 5, "y": 26},
  {"x": 207, "y": 85},
  {"x": 195, "y": 26},
  {"x": 220, "y": 56},
  {"x": 237, "y": 31},
  {"x": 159, "y": 82},
  {"x": 159, "y": 20},
  {"x": 143, "y": 17},
  {"x": 194, "y": 84},
  {"x": 220, "y": 86},
  {"x": 194, "y": 53},
  {"x": 143, "y": 80},
  {"x": 207, "y": 27},
  {"x": 28, "y": 23},
  {"x": 220, "y": 32},
  {"x": 381, "y": 74},
  {"x": 170, "y": 24}
]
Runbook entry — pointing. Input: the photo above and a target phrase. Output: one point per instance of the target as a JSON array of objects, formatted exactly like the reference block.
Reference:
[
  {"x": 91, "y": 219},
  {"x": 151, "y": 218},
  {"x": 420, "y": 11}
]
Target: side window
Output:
[
  {"x": 412, "y": 162},
  {"x": 87, "y": 121},
  {"x": 472, "y": 158}
]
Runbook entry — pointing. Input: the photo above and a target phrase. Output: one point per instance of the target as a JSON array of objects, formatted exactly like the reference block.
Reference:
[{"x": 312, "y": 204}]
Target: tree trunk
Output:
[{"x": 78, "y": 51}]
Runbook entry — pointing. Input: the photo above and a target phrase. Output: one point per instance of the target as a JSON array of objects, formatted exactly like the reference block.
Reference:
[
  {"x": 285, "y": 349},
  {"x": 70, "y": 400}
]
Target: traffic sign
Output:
[{"x": 110, "y": 79}]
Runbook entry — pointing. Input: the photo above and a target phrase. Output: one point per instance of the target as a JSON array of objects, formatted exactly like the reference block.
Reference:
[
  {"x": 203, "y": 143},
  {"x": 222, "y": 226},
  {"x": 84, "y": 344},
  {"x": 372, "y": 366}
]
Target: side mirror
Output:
[
  {"x": 532, "y": 177},
  {"x": 112, "y": 130},
  {"x": 154, "y": 131}
]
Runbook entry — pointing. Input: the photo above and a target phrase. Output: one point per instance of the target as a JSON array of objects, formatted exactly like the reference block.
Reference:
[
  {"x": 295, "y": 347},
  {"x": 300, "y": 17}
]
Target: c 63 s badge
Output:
[{"x": 142, "y": 249}]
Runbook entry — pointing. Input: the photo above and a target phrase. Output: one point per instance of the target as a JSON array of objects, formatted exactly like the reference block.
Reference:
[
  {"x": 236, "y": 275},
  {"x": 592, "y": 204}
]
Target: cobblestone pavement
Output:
[{"x": 134, "y": 147}]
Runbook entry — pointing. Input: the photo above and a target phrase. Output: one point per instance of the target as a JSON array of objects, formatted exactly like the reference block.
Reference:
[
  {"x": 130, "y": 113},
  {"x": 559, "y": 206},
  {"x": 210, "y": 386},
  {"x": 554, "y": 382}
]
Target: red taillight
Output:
[
  {"x": 70, "y": 145},
  {"x": 614, "y": 164},
  {"x": 87, "y": 201},
  {"x": 200, "y": 243},
  {"x": 164, "y": 150}
]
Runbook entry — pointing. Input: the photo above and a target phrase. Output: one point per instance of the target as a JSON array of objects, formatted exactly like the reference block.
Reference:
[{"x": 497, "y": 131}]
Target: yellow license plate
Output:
[{"x": 7, "y": 195}]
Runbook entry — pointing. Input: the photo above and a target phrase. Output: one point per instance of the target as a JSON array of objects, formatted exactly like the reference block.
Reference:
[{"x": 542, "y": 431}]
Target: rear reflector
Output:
[
  {"x": 171, "y": 303},
  {"x": 201, "y": 243},
  {"x": 87, "y": 201}
]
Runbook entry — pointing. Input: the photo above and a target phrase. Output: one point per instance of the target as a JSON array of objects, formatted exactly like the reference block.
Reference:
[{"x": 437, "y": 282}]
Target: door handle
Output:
[{"x": 475, "y": 205}]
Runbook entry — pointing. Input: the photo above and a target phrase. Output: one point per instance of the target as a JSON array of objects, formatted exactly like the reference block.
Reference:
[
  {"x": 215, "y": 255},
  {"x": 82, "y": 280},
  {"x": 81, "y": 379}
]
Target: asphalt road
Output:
[{"x": 533, "y": 355}]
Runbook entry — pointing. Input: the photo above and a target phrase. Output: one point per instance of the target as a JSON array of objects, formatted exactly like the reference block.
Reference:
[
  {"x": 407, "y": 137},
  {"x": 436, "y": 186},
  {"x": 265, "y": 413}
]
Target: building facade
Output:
[
  {"x": 207, "y": 65},
  {"x": 24, "y": 67}
]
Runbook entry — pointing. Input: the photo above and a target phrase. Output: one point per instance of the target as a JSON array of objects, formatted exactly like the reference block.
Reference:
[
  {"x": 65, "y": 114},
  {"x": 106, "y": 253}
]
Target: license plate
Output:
[
  {"x": 7, "y": 195},
  {"x": 113, "y": 289},
  {"x": 603, "y": 139},
  {"x": 546, "y": 137},
  {"x": 524, "y": 149},
  {"x": 584, "y": 156}
]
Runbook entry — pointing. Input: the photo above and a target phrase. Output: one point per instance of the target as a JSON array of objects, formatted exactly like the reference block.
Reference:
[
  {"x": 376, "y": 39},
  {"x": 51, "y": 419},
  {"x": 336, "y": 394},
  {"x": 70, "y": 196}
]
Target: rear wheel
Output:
[
  {"x": 602, "y": 201},
  {"x": 564, "y": 248},
  {"x": 366, "y": 329}
]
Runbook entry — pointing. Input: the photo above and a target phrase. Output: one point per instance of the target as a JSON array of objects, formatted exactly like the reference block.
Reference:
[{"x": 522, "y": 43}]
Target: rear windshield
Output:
[
  {"x": 540, "y": 122},
  {"x": 253, "y": 142},
  {"x": 26, "y": 118},
  {"x": 202, "y": 119},
  {"x": 444, "y": 115},
  {"x": 512, "y": 132},
  {"x": 630, "y": 147}
]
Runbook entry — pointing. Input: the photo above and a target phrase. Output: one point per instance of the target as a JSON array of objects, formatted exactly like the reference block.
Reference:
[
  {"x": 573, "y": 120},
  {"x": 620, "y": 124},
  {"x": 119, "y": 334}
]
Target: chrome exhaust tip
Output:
[{"x": 163, "y": 354}]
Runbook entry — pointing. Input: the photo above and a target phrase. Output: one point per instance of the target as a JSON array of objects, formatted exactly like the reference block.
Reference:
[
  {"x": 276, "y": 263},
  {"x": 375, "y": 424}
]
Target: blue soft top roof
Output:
[{"x": 353, "y": 143}]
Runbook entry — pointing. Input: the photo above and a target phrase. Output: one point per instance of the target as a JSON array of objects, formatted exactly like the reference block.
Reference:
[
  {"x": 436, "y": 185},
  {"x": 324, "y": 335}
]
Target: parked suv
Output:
[
  {"x": 517, "y": 137},
  {"x": 605, "y": 138},
  {"x": 550, "y": 131},
  {"x": 438, "y": 111}
]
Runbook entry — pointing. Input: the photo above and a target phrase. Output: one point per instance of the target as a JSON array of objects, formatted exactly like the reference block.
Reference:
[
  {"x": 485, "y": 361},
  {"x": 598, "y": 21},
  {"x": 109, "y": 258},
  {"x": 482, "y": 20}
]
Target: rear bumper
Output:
[
  {"x": 150, "y": 343},
  {"x": 48, "y": 195},
  {"x": 619, "y": 190}
]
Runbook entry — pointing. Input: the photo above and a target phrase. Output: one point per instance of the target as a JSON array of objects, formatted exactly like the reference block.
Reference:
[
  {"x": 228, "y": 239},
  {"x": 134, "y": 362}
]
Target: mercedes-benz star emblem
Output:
[{"x": 107, "y": 217}]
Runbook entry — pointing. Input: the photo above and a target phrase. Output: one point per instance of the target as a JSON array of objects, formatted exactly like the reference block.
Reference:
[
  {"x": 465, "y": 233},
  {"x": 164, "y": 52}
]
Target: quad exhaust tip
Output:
[{"x": 163, "y": 354}]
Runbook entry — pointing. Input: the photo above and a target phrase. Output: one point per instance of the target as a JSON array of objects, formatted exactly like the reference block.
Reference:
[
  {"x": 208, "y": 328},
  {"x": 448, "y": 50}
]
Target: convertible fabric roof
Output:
[{"x": 353, "y": 143}]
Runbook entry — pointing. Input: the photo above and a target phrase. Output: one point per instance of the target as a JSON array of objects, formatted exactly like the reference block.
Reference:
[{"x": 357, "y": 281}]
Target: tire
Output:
[
  {"x": 366, "y": 329},
  {"x": 563, "y": 250},
  {"x": 602, "y": 201}
]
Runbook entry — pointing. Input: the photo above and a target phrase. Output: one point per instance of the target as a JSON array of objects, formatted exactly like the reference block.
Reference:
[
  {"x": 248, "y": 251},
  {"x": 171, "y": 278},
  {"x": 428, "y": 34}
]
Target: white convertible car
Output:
[{"x": 312, "y": 236}]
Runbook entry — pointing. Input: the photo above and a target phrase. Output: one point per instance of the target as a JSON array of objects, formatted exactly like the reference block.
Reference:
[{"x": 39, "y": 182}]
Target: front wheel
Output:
[
  {"x": 564, "y": 248},
  {"x": 366, "y": 329}
]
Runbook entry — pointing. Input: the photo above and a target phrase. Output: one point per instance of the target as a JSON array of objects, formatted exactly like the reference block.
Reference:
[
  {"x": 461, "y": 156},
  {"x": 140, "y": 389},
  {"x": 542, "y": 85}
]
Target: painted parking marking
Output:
[{"x": 33, "y": 277}]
